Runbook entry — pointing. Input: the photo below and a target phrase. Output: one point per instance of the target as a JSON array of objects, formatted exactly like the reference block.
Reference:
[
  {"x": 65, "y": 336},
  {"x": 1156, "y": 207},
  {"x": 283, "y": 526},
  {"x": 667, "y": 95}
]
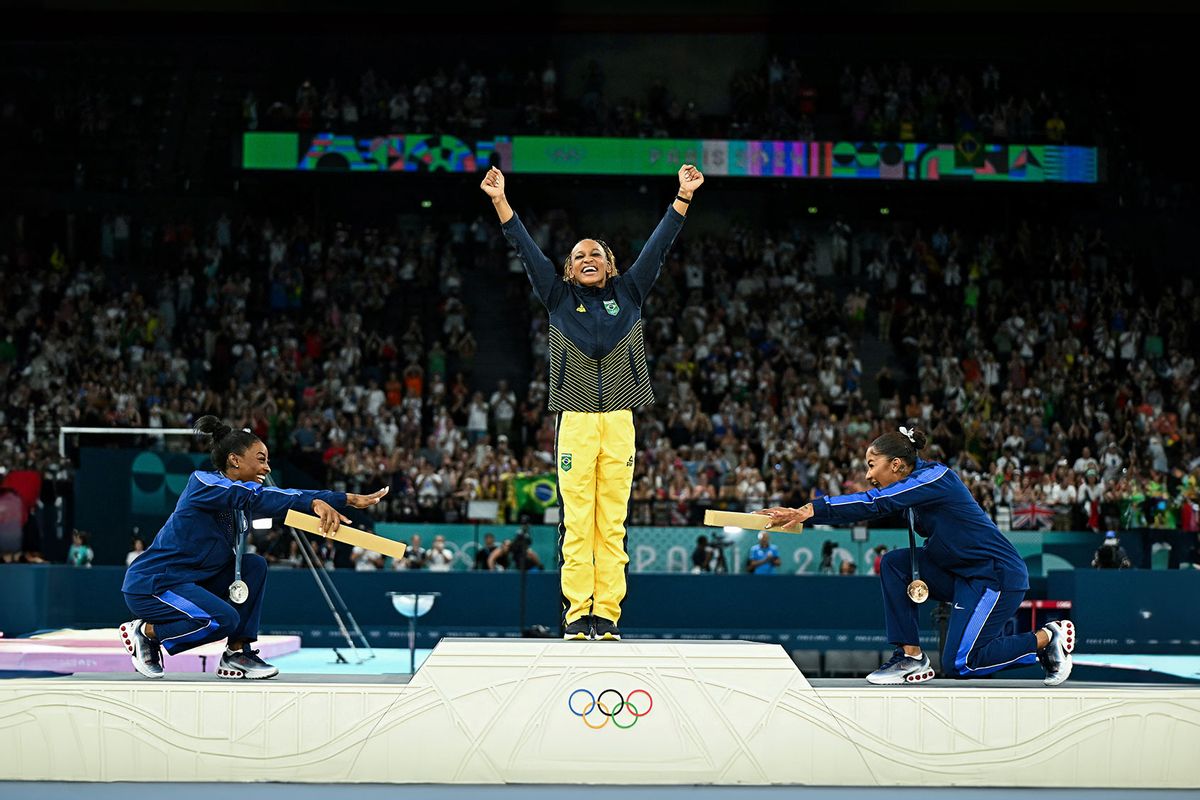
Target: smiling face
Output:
[
  {"x": 589, "y": 265},
  {"x": 250, "y": 466},
  {"x": 882, "y": 471}
]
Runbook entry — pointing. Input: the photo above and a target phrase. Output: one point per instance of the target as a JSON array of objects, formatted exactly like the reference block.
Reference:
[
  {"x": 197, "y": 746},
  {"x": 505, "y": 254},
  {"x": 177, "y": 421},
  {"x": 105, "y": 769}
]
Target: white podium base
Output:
[{"x": 508, "y": 711}]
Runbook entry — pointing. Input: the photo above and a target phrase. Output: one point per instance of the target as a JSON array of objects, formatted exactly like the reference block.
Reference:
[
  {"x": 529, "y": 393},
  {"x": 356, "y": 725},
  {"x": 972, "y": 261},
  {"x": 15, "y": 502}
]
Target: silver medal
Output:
[{"x": 239, "y": 592}]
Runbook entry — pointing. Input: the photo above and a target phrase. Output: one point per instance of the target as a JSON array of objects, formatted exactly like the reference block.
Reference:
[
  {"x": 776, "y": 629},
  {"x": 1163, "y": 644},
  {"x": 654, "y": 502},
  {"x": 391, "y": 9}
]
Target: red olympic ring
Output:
[{"x": 596, "y": 702}]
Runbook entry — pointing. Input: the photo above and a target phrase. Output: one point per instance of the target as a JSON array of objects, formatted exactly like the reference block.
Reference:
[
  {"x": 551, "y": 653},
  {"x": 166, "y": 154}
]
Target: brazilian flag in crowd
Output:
[{"x": 534, "y": 493}]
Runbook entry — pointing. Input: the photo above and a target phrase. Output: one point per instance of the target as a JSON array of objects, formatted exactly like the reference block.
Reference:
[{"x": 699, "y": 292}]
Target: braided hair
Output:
[
  {"x": 608, "y": 256},
  {"x": 223, "y": 440}
]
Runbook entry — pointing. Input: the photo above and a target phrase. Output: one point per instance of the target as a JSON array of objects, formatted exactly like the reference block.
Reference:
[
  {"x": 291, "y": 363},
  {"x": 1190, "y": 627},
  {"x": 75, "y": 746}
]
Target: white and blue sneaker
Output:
[
  {"x": 1055, "y": 657},
  {"x": 244, "y": 663},
  {"x": 901, "y": 669},
  {"x": 145, "y": 652}
]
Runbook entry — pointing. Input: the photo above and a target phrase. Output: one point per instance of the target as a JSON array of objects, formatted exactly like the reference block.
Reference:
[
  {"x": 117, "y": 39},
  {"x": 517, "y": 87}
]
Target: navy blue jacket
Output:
[
  {"x": 596, "y": 347},
  {"x": 959, "y": 536},
  {"x": 197, "y": 540}
]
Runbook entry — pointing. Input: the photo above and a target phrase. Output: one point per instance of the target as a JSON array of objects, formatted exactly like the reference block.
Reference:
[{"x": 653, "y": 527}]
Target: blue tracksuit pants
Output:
[
  {"x": 191, "y": 614},
  {"x": 974, "y": 644}
]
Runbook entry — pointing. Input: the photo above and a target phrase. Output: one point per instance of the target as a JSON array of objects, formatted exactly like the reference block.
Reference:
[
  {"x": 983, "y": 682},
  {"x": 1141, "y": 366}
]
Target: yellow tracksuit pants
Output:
[{"x": 595, "y": 477}]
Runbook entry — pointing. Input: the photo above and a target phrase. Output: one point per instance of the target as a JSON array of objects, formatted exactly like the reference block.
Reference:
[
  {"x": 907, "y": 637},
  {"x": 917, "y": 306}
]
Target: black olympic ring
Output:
[{"x": 597, "y": 704}]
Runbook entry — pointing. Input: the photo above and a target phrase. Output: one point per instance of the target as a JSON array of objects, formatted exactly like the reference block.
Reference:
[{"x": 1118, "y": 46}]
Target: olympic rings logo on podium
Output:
[{"x": 624, "y": 713}]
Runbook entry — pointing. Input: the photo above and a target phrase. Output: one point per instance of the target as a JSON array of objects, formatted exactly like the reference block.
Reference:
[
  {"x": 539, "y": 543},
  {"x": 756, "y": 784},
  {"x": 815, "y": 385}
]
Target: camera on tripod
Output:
[
  {"x": 520, "y": 543},
  {"x": 719, "y": 540},
  {"x": 827, "y": 549}
]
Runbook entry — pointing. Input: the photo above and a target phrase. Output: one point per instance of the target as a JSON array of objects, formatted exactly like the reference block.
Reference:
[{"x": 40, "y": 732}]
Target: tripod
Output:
[{"x": 342, "y": 615}]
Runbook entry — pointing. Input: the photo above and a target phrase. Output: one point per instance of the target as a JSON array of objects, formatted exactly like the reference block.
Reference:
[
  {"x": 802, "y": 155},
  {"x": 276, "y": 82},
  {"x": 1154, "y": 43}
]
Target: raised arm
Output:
[
  {"x": 493, "y": 187},
  {"x": 542, "y": 274},
  {"x": 646, "y": 268}
]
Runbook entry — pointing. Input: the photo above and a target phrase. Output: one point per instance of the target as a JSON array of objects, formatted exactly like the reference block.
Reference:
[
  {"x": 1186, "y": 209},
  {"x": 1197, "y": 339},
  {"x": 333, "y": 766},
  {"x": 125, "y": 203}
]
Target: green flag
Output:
[{"x": 535, "y": 493}]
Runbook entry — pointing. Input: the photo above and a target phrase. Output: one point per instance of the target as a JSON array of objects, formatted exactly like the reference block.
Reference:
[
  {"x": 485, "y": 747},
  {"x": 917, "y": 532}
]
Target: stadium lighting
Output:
[{"x": 262, "y": 524}]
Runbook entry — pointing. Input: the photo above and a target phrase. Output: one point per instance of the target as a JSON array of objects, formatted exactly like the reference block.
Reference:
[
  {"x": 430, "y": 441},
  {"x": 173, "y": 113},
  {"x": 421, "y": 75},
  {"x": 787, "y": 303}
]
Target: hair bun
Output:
[
  {"x": 915, "y": 436},
  {"x": 208, "y": 425}
]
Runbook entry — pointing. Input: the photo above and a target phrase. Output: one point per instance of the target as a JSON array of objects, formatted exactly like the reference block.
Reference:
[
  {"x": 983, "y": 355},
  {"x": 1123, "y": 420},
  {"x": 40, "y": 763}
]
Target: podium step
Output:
[{"x": 635, "y": 712}]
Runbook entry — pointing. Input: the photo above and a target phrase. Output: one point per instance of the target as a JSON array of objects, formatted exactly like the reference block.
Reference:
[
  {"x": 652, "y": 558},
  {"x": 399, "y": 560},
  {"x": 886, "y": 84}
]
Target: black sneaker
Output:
[
  {"x": 605, "y": 629},
  {"x": 579, "y": 629},
  {"x": 146, "y": 653},
  {"x": 245, "y": 663}
]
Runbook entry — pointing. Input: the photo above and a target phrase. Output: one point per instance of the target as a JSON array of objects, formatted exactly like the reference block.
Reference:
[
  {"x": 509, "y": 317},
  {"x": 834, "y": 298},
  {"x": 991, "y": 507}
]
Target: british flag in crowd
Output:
[{"x": 1032, "y": 517}]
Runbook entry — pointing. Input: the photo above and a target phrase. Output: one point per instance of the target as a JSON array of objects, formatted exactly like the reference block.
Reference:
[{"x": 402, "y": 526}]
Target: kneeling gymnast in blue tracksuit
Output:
[
  {"x": 965, "y": 560},
  {"x": 177, "y": 588}
]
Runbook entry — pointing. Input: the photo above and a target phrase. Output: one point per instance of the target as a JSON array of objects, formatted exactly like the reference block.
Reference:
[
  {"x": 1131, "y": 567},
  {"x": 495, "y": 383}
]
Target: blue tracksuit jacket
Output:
[
  {"x": 959, "y": 536},
  {"x": 197, "y": 540}
]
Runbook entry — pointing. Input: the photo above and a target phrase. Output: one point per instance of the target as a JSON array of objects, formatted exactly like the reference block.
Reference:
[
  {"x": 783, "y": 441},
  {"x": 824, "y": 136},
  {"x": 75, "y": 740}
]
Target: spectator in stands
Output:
[
  {"x": 513, "y": 556},
  {"x": 503, "y": 404},
  {"x": 80, "y": 554},
  {"x": 415, "y": 556},
  {"x": 485, "y": 551},
  {"x": 439, "y": 558},
  {"x": 877, "y": 560},
  {"x": 763, "y": 557},
  {"x": 366, "y": 560},
  {"x": 136, "y": 548}
]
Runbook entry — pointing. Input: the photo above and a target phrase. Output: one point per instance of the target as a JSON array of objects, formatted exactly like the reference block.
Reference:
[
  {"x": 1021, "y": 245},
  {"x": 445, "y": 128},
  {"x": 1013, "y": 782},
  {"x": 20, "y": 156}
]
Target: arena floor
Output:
[{"x": 277, "y": 791}]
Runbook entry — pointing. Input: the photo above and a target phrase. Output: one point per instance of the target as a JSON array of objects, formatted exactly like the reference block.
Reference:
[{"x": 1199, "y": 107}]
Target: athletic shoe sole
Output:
[
  {"x": 912, "y": 677},
  {"x": 237, "y": 674}
]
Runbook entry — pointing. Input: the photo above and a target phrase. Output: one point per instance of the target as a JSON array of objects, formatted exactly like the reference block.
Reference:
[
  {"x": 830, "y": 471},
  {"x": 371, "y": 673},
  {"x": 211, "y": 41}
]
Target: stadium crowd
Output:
[
  {"x": 783, "y": 98},
  {"x": 1056, "y": 383}
]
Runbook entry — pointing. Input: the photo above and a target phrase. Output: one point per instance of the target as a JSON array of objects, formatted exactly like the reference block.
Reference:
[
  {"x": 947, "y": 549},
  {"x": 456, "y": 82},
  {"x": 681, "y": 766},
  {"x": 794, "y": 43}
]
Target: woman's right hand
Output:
[
  {"x": 365, "y": 500},
  {"x": 331, "y": 518},
  {"x": 493, "y": 183}
]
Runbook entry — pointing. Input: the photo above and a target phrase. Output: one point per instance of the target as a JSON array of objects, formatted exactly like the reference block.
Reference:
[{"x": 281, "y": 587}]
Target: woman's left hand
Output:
[
  {"x": 690, "y": 179},
  {"x": 366, "y": 500},
  {"x": 783, "y": 517}
]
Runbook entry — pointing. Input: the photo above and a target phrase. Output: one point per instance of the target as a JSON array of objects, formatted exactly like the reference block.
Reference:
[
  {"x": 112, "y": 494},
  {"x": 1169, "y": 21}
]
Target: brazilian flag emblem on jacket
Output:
[
  {"x": 611, "y": 307},
  {"x": 565, "y": 462}
]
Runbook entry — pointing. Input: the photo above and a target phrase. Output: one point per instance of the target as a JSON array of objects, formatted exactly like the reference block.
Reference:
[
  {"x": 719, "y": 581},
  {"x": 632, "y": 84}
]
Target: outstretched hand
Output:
[
  {"x": 690, "y": 179},
  {"x": 493, "y": 183},
  {"x": 365, "y": 500},
  {"x": 783, "y": 517}
]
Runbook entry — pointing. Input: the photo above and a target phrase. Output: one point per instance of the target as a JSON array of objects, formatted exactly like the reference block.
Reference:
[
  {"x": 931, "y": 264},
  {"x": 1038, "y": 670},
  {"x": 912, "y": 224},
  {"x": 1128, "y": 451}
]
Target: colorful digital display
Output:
[{"x": 968, "y": 159}]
